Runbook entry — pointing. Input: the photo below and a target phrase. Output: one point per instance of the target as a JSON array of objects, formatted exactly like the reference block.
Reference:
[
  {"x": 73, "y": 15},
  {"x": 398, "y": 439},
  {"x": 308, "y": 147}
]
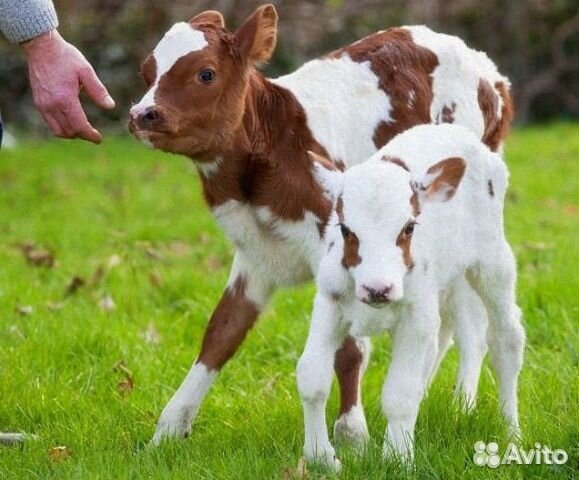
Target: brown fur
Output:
[
  {"x": 209, "y": 16},
  {"x": 274, "y": 170},
  {"x": 403, "y": 241},
  {"x": 450, "y": 172},
  {"x": 347, "y": 365},
  {"x": 351, "y": 257},
  {"x": 396, "y": 161},
  {"x": 496, "y": 128},
  {"x": 228, "y": 326},
  {"x": 401, "y": 66}
]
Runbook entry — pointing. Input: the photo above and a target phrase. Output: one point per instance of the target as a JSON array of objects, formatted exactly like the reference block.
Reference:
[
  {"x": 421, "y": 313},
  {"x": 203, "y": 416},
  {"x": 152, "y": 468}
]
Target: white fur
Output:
[
  {"x": 337, "y": 95},
  {"x": 177, "y": 415},
  {"x": 208, "y": 169},
  {"x": 456, "y": 79},
  {"x": 179, "y": 41},
  {"x": 456, "y": 238}
]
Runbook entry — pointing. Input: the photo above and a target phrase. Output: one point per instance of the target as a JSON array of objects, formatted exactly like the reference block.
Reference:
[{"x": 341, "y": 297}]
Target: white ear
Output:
[
  {"x": 440, "y": 182},
  {"x": 327, "y": 175}
]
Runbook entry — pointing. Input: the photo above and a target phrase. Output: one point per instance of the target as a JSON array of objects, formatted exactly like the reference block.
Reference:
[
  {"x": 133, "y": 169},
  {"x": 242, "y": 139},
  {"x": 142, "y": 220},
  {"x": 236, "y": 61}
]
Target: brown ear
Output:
[
  {"x": 442, "y": 179},
  {"x": 257, "y": 37},
  {"x": 209, "y": 16}
]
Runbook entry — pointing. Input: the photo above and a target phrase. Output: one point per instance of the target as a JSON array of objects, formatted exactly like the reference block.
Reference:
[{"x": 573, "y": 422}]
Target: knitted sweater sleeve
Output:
[{"x": 21, "y": 20}]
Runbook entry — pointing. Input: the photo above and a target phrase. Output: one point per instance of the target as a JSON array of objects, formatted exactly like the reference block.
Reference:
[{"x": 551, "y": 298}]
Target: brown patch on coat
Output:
[
  {"x": 351, "y": 257},
  {"x": 396, "y": 161},
  {"x": 403, "y": 241},
  {"x": 491, "y": 188},
  {"x": 415, "y": 203},
  {"x": 347, "y": 364},
  {"x": 272, "y": 169},
  {"x": 234, "y": 316},
  {"x": 149, "y": 70},
  {"x": 401, "y": 66},
  {"x": 496, "y": 127},
  {"x": 448, "y": 173},
  {"x": 340, "y": 209}
]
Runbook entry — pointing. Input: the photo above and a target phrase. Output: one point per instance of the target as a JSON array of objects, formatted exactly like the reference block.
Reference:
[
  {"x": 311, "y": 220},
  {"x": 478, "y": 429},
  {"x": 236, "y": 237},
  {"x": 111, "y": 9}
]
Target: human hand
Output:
[{"x": 58, "y": 71}]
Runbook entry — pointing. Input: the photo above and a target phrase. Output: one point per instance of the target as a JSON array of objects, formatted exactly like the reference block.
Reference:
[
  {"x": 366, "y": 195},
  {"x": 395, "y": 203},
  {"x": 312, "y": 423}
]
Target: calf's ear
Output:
[
  {"x": 441, "y": 180},
  {"x": 257, "y": 37},
  {"x": 327, "y": 175},
  {"x": 209, "y": 16}
]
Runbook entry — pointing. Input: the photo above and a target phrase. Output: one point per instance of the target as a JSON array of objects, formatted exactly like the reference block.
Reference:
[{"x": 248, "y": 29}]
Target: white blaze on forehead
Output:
[{"x": 179, "y": 41}]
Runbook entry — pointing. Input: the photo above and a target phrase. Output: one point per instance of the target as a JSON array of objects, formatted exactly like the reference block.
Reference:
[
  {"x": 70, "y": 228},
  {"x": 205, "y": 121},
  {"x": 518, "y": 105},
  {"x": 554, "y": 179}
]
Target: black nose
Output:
[
  {"x": 150, "y": 115},
  {"x": 378, "y": 295}
]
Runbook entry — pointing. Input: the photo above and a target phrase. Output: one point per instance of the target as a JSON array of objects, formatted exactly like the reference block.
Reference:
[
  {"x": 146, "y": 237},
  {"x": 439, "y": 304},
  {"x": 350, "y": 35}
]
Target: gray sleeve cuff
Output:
[{"x": 27, "y": 20}]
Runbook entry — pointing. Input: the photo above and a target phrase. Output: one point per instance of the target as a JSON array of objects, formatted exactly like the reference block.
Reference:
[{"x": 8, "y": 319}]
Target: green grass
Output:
[{"x": 57, "y": 378}]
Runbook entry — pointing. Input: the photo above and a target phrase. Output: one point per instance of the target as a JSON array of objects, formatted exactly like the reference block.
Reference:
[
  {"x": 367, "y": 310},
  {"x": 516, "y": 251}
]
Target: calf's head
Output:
[
  {"x": 377, "y": 205},
  {"x": 197, "y": 78}
]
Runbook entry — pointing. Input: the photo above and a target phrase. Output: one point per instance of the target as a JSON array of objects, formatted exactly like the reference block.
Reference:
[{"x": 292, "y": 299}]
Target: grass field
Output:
[{"x": 92, "y": 347}]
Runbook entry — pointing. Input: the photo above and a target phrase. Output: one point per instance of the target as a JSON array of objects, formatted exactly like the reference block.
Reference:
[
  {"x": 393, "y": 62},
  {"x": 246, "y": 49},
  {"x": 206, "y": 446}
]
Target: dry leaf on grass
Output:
[
  {"x": 114, "y": 261},
  {"x": 570, "y": 209},
  {"x": 155, "y": 279},
  {"x": 98, "y": 276},
  {"x": 107, "y": 304},
  {"x": 57, "y": 454},
  {"x": 538, "y": 246},
  {"x": 37, "y": 256},
  {"x": 74, "y": 285},
  {"x": 23, "y": 309},
  {"x": 55, "y": 306},
  {"x": 213, "y": 262},
  {"x": 154, "y": 253},
  {"x": 127, "y": 384},
  {"x": 298, "y": 473},
  {"x": 180, "y": 248}
]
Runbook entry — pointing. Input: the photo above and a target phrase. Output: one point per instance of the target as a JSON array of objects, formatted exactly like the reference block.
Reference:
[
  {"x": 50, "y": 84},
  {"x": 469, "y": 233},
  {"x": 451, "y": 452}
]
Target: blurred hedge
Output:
[{"x": 535, "y": 42}]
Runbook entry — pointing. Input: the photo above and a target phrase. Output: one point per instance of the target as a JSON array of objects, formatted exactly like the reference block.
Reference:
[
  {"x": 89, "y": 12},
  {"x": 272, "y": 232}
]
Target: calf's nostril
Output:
[
  {"x": 378, "y": 295},
  {"x": 150, "y": 115}
]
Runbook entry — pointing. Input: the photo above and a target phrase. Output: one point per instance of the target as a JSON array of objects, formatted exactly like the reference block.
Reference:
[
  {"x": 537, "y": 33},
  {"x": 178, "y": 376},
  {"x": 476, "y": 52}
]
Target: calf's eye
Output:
[
  {"x": 345, "y": 231},
  {"x": 409, "y": 229},
  {"x": 207, "y": 75}
]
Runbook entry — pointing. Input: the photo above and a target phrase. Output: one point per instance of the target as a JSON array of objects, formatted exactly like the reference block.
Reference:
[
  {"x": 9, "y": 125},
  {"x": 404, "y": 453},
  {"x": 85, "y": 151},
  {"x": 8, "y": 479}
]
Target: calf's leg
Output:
[
  {"x": 415, "y": 338},
  {"x": 235, "y": 314},
  {"x": 314, "y": 377},
  {"x": 495, "y": 280},
  {"x": 350, "y": 364}
]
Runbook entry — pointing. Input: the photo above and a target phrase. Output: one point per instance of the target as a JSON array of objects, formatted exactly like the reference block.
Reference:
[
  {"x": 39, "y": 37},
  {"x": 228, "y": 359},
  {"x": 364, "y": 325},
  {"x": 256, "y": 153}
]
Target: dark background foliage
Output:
[{"x": 534, "y": 42}]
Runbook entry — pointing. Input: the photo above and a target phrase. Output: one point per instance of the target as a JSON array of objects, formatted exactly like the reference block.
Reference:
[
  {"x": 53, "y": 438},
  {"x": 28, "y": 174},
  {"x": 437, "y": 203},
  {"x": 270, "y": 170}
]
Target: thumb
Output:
[{"x": 95, "y": 89}]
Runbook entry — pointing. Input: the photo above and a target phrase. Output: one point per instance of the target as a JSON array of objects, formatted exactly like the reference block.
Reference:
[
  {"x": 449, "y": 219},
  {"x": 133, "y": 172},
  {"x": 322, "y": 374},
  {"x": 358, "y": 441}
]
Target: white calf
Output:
[{"x": 378, "y": 274}]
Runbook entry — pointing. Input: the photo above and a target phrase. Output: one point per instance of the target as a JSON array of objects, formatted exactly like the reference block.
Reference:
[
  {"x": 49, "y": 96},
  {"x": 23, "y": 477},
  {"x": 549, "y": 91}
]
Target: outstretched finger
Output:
[
  {"x": 76, "y": 125},
  {"x": 95, "y": 89},
  {"x": 53, "y": 125}
]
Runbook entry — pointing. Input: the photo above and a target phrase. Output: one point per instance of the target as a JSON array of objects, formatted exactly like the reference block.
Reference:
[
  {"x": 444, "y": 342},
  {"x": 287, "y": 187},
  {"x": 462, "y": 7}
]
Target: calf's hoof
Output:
[
  {"x": 172, "y": 425},
  {"x": 325, "y": 456},
  {"x": 351, "y": 429}
]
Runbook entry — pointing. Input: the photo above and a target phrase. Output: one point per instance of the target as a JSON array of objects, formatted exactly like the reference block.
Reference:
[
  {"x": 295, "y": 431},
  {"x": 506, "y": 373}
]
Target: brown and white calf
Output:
[{"x": 249, "y": 137}]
